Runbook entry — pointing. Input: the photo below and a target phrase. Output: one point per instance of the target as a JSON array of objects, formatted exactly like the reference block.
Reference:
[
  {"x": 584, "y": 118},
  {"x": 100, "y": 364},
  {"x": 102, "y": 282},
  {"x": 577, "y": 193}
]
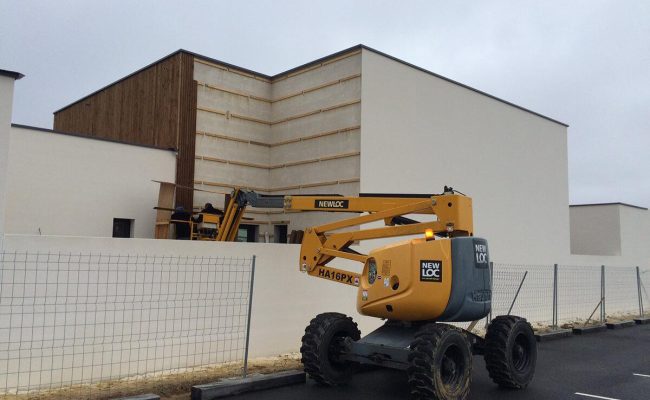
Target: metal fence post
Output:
[
  {"x": 248, "y": 322},
  {"x": 492, "y": 289},
  {"x": 638, "y": 287},
  {"x": 555, "y": 296},
  {"x": 602, "y": 293}
]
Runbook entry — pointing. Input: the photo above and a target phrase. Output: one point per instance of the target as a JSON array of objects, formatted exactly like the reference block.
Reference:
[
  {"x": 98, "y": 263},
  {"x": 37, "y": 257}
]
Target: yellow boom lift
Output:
[{"x": 415, "y": 285}]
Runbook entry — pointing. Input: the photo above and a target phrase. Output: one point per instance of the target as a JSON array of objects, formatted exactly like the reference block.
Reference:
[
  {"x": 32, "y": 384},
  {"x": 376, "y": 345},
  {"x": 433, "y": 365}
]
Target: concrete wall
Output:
[
  {"x": 297, "y": 133},
  {"x": 420, "y": 132},
  {"x": 635, "y": 234},
  {"x": 610, "y": 234},
  {"x": 66, "y": 185},
  {"x": 232, "y": 135},
  {"x": 596, "y": 230},
  {"x": 6, "y": 105},
  {"x": 284, "y": 299}
]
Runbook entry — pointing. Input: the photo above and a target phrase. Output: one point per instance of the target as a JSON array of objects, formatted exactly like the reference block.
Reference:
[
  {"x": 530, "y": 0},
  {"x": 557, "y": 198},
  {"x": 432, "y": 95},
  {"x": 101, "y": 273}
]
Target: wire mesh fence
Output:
[
  {"x": 556, "y": 294},
  {"x": 69, "y": 320},
  {"x": 535, "y": 299},
  {"x": 644, "y": 289},
  {"x": 621, "y": 291},
  {"x": 86, "y": 321},
  {"x": 579, "y": 292}
]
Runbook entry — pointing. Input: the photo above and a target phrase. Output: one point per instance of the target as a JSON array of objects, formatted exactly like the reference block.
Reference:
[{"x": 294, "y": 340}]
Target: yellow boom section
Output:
[
  {"x": 452, "y": 214},
  {"x": 321, "y": 245}
]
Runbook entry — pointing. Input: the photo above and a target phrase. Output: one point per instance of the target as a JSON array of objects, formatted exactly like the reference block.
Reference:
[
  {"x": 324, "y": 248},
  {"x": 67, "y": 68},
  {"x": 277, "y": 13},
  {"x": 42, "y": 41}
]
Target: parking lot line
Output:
[
  {"x": 595, "y": 397},
  {"x": 642, "y": 375}
]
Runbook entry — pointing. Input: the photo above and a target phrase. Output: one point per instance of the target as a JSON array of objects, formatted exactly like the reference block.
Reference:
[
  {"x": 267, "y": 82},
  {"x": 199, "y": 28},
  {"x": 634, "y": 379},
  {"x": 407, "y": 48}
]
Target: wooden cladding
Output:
[
  {"x": 141, "y": 109},
  {"x": 187, "y": 133},
  {"x": 153, "y": 107}
]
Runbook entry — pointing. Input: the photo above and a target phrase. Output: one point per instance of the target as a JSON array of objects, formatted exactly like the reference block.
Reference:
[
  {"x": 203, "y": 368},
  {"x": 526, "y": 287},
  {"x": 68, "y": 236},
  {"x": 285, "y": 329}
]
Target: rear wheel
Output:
[
  {"x": 440, "y": 363},
  {"x": 510, "y": 351},
  {"x": 322, "y": 347}
]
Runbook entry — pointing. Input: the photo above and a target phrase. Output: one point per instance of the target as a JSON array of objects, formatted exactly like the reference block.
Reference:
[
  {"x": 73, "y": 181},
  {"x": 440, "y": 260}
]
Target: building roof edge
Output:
[
  {"x": 608, "y": 204},
  {"x": 82, "y": 136},
  {"x": 314, "y": 62},
  {"x": 11, "y": 74}
]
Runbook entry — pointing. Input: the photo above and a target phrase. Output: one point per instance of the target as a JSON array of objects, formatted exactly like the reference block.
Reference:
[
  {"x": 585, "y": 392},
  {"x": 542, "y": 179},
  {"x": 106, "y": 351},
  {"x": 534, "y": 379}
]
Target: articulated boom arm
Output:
[{"x": 322, "y": 244}]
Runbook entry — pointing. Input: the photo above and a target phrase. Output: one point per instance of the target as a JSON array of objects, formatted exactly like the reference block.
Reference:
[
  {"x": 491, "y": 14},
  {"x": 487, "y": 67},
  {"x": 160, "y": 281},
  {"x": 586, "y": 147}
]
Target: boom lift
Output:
[{"x": 415, "y": 285}]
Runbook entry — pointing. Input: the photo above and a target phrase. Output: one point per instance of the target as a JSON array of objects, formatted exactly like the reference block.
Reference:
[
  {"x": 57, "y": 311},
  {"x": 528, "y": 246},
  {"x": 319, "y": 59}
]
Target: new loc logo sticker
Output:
[{"x": 430, "y": 271}]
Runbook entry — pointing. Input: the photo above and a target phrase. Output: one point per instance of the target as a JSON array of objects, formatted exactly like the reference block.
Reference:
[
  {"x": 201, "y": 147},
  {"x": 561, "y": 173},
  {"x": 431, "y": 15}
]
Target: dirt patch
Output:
[
  {"x": 170, "y": 386},
  {"x": 539, "y": 327},
  {"x": 623, "y": 317},
  {"x": 580, "y": 323}
]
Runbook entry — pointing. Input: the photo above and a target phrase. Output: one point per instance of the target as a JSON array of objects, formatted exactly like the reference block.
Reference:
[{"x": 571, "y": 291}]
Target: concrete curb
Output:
[
  {"x": 619, "y": 325},
  {"x": 553, "y": 335},
  {"x": 642, "y": 321},
  {"x": 589, "y": 329},
  {"x": 148, "y": 396},
  {"x": 230, "y": 387}
]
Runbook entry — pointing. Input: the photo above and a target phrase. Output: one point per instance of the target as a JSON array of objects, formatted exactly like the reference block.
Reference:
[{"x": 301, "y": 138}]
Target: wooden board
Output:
[{"x": 163, "y": 213}]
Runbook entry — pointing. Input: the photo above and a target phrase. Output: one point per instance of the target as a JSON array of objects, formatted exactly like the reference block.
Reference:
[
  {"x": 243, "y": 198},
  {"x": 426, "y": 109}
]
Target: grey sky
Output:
[{"x": 586, "y": 63}]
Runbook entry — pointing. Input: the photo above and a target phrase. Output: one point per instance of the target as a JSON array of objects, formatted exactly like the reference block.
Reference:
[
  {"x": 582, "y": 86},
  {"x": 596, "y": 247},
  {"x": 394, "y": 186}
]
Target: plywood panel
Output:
[{"x": 163, "y": 214}]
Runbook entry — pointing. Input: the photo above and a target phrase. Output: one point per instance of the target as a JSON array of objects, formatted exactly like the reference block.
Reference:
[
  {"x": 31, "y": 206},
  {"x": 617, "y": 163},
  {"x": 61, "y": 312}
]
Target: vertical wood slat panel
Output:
[
  {"x": 186, "y": 133},
  {"x": 141, "y": 109}
]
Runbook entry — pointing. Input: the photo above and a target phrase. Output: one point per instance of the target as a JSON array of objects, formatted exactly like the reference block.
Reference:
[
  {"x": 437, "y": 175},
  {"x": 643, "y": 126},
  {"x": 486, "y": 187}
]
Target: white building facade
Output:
[
  {"x": 358, "y": 121},
  {"x": 59, "y": 184},
  {"x": 364, "y": 122}
]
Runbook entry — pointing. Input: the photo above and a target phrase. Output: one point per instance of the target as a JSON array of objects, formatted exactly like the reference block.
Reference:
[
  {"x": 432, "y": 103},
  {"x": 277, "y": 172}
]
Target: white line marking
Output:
[
  {"x": 594, "y": 396},
  {"x": 645, "y": 376}
]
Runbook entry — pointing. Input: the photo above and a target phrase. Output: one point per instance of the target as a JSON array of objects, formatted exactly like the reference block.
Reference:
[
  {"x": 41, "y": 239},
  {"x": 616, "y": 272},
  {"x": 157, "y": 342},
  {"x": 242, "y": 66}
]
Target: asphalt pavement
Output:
[{"x": 610, "y": 365}]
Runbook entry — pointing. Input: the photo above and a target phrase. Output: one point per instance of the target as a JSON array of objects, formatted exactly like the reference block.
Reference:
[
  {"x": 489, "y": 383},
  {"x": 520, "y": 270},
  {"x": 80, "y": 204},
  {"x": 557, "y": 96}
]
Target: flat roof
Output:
[
  {"x": 607, "y": 204},
  {"x": 309, "y": 64},
  {"x": 11, "y": 74},
  {"x": 35, "y": 128}
]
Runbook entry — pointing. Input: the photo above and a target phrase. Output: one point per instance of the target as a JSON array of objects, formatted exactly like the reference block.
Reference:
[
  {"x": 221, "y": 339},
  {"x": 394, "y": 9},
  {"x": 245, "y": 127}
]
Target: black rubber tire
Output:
[
  {"x": 440, "y": 363},
  {"x": 319, "y": 347},
  {"x": 510, "y": 352}
]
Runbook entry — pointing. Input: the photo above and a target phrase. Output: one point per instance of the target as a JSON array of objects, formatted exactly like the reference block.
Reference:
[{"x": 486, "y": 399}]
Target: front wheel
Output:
[
  {"x": 510, "y": 351},
  {"x": 322, "y": 346},
  {"x": 440, "y": 363}
]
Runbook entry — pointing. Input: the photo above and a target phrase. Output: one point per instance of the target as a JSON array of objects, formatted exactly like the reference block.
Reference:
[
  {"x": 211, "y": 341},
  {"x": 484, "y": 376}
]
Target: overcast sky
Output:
[{"x": 586, "y": 63}]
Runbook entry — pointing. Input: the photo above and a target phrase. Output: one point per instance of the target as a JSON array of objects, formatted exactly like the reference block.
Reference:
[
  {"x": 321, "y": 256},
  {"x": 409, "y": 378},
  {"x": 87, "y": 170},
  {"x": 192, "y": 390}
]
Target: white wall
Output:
[
  {"x": 6, "y": 104},
  {"x": 596, "y": 230},
  {"x": 420, "y": 132},
  {"x": 610, "y": 234},
  {"x": 163, "y": 332},
  {"x": 635, "y": 234},
  {"x": 284, "y": 299},
  {"x": 67, "y": 185}
]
